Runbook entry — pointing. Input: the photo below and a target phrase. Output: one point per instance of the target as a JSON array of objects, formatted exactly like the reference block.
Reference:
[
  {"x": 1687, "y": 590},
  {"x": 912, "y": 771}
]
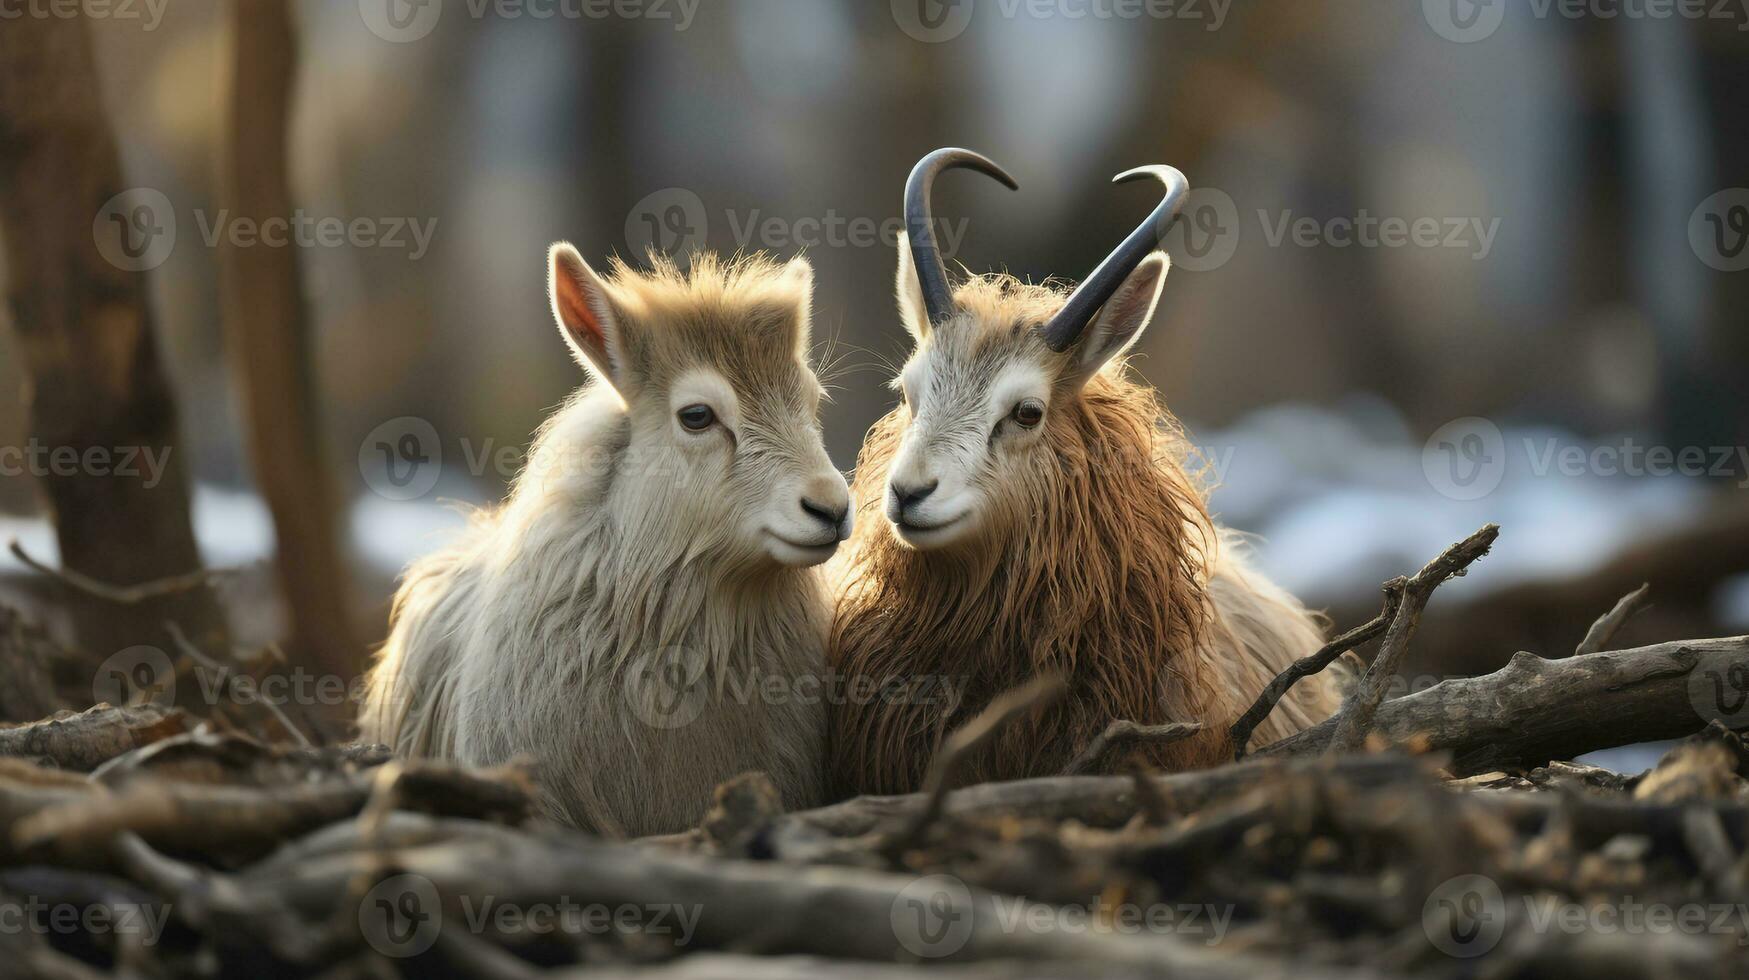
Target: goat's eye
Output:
[
  {"x": 1028, "y": 412},
  {"x": 697, "y": 418}
]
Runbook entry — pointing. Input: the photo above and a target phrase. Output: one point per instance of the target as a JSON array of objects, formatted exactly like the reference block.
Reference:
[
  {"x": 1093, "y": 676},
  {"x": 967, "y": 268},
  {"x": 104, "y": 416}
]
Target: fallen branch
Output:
[
  {"x": 1357, "y": 716},
  {"x": 92, "y": 737},
  {"x": 838, "y": 912},
  {"x": 246, "y": 819},
  {"x": 1533, "y": 710}
]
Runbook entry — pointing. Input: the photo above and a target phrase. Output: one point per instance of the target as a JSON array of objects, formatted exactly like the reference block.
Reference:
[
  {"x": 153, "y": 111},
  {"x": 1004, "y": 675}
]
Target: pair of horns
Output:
[{"x": 1066, "y": 326}]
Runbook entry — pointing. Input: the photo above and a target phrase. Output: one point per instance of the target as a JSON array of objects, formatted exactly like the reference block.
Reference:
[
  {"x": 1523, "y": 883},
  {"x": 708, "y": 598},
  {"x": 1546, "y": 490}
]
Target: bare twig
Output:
[
  {"x": 1122, "y": 734},
  {"x": 1602, "y": 631},
  {"x": 124, "y": 594},
  {"x": 227, "y": 678},
  {"x": 959, "y": 746},
  {"x": 1356, "y": 719},
  {"x": 1240, "y": 733}
]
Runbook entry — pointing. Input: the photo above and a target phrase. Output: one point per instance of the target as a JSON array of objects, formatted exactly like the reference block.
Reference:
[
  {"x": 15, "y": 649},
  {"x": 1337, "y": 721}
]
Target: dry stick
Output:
[
  {"x": 126, "y": 595},
  {"x": 1122, "y": 734},
  {"x": 1357, "y": 717},
  {"x": 228, "y": 678},
  {"x": 1034, "y": 694},
  {"x": 1602, "y": 631},
  {"x": 1240, "y": 733},
  {"x": 92, "y": 737}
]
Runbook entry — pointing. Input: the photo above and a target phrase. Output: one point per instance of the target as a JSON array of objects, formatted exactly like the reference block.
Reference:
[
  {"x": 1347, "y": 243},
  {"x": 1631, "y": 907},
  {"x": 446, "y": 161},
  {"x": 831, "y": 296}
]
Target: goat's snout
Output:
[
  {"x": 834, "y": 515},
  {"x": 907, "y": 496}
]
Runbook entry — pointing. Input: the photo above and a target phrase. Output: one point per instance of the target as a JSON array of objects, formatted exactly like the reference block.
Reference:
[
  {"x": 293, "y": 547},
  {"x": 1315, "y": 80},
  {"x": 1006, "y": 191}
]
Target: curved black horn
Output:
[
  {"x": 925, "y": 256},
  {"x": 1064, "y": 328}
]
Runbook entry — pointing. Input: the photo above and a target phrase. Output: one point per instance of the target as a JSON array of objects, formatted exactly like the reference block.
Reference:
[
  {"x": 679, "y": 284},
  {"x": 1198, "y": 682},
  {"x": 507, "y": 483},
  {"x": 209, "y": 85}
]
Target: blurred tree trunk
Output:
[
  {"x": 95, "y": 386},
  {"x": 267, "y": 343}
]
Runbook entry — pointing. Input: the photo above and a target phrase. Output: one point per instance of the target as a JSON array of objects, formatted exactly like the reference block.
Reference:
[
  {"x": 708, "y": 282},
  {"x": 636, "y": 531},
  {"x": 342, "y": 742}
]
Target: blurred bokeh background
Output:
[{"x": 1449, "y": 262}]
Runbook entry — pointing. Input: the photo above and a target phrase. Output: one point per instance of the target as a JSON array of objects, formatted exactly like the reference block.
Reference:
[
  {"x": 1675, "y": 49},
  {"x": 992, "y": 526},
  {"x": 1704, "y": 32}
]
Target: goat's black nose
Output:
[
  {"x": 829, "y": 516},
  {"x": 909, "y": 497}
]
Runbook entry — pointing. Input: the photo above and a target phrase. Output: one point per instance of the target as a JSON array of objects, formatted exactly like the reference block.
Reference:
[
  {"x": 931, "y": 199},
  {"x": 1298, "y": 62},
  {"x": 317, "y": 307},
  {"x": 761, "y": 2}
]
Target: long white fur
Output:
[{"x": 535, "y": 635}]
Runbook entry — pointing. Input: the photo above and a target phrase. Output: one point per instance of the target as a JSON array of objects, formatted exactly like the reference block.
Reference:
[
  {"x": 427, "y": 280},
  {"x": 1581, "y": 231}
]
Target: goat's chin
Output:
[
  {"x": 797, "y": 555},
  {"x": 936, "y": 537}
]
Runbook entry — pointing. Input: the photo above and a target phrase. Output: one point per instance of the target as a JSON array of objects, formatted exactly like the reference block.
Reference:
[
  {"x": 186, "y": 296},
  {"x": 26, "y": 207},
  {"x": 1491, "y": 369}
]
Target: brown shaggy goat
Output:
[{"x": 1025, "y": 510}]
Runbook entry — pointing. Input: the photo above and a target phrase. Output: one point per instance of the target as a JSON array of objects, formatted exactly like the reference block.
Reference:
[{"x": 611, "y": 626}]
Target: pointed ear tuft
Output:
[
  {"x": 1123, "y": 317},
  {"x": 585, "y": 315},
  {"x": 799, "y": 274},
  {"x": 910, "y": 293}
]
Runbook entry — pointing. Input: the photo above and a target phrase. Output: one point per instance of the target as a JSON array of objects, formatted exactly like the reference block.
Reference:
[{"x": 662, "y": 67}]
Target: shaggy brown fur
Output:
[{"x": 1101, "y": 570}]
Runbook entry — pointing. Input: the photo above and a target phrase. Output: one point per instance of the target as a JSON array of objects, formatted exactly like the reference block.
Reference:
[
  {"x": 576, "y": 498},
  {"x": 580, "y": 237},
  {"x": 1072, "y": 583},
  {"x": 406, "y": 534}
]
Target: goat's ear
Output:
[
  {"x": 799, "y": 275},
  {"x": 586, "y": 317},
  {"x": 1123, "y": 317},
  {"x": 910, "y": 293}
]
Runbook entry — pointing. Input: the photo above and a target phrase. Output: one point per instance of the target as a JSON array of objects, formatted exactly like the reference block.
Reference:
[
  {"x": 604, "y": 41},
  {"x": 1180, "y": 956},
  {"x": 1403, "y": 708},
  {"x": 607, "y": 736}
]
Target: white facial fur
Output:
[
  {"x": 962, "y": 431},
  {"x": 791, "y": 469},
  {"x": 965, "y": 439}
]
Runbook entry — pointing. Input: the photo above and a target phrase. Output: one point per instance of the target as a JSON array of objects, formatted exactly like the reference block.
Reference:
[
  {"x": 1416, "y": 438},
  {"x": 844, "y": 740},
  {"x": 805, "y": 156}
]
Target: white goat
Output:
[{"x": 623, "y": 616}]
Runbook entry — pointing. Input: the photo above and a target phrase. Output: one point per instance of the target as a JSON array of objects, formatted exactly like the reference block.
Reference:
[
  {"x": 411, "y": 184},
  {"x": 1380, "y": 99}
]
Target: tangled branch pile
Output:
[{"x": 1404, "y": 837}]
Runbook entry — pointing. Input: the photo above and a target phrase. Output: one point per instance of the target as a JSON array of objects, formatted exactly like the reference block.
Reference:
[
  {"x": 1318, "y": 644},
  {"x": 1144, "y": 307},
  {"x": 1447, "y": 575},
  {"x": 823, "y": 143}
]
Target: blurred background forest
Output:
[{"x": 1447, "y": 262}]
